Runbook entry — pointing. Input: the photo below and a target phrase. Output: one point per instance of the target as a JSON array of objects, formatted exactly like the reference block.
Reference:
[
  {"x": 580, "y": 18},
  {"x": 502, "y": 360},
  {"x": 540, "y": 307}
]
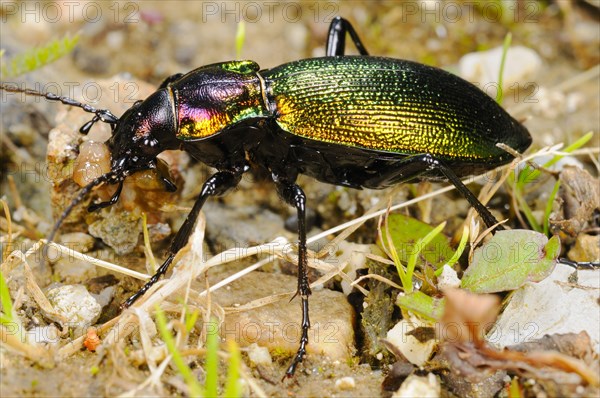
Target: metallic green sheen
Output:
[{"x": 388, "y": 105}]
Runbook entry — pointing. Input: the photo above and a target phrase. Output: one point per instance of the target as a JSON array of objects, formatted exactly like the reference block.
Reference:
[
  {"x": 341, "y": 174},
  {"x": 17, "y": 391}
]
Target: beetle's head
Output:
[{"x": 144, "y": 131}]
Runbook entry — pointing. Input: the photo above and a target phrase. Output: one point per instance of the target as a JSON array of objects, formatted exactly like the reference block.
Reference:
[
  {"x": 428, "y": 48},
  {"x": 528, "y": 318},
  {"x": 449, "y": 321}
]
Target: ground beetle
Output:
[{"x": 355, "y": 121}]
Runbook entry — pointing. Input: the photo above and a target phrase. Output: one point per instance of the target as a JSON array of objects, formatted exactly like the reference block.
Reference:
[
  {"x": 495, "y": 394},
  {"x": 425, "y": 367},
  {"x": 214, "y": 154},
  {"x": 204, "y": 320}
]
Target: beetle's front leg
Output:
[
  {"x": 216, "y": 185},
  {"x": 114, "y": 199},
  {"x": 293, "y": 195},
  {"x": 336, "y": 38}
]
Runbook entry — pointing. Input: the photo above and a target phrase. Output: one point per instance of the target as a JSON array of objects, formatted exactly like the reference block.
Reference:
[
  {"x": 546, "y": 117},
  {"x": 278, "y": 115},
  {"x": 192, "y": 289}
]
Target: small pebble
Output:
[
  {"x": 419, "y": 386},
  {"x": 521, "y": 65},
  {"x": 72, "y": 270},
  {"x": 259, "y": 355},
  {"x": 43, "y": 335},
  {"x": 448, "y": 278},
  {"x": 345, "y": 383},
  {"x": 77, "y": 241},
  {"x": 76, "y": 304}
]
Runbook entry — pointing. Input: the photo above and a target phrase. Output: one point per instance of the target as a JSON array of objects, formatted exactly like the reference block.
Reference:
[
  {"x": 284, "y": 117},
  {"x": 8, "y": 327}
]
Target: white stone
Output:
[
  {"x": 551, "y": 306},
  {"x": 419, "y": 386},
  {"x": 76, "y": 304},
  {"x": 413, "y": 350},
  {"x": 448, "y": 278},
  {"x": 355, "y": 255},
  {"x": 259, "y": 355},
  {"x": 345, "y": 383},
  {"x": 521, "y": 66}
]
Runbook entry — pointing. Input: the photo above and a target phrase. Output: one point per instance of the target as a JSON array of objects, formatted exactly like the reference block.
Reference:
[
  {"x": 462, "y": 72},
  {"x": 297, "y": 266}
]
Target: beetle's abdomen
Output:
[{"x": 391, "y": 105}]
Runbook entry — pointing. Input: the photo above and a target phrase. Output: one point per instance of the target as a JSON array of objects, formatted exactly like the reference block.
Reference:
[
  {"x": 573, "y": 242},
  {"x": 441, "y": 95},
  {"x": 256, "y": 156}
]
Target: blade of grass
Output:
[
  {"x": 459, "y": 251},
  {"x": 421, "y": 243},
  {"x": 240, "y": 37},
  {"x": 190, "y": 320},
  {"x": 195, "y": 390},
  {"x": 211, "y": 365},
  {"x": 147, "y": 246},
  {"x": 505, "y": 47},
  {"x": 549, "y": 204},
  {"x": 233, "y": 387},
  {"x": 393, "y": 253},
  {"x": 7, "y": 305},
  {"x": 38, "y": 57},
  {"x": 528, "y": 174}
]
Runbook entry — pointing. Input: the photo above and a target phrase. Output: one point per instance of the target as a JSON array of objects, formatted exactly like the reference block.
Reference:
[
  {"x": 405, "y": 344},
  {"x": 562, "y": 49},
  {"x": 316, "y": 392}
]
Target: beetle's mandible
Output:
[{"x": 356, "y": 121}]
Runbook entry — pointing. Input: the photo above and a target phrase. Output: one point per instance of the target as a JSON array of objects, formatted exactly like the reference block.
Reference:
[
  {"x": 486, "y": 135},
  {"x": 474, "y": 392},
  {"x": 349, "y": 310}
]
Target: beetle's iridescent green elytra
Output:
[{"x": 391, "y": 105}]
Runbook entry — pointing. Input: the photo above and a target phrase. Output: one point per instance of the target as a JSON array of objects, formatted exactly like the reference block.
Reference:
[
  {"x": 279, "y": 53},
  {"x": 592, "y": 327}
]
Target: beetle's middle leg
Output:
[
  {"x": 293, "y": 195},
  {"x": 216, "y": 185}
]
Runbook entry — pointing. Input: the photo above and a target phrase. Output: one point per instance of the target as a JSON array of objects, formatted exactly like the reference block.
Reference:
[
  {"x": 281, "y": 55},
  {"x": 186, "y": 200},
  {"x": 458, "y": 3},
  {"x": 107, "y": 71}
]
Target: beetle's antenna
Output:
[
  {"x": 101, "y": 114},
  {"x": 82, "y": 194}
]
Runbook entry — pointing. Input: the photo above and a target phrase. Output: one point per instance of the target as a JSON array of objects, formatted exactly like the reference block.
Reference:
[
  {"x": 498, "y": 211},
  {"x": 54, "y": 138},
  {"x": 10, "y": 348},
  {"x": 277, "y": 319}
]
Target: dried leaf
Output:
[
  {"x": 467, "y": 316},
  {"x": 580, "y": 196}
]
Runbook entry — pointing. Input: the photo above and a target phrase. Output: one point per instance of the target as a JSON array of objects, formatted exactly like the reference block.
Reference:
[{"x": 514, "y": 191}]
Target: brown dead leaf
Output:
[
  {"x": 579, "y": 197},
  {"x": 467, "y": 316},
  {"x": 577, "y": 345},
  {"x": 563, "y": 364}
]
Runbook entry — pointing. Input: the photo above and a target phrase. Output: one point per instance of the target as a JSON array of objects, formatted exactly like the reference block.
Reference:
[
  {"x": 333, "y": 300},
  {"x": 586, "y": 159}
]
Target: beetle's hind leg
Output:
[
  {"x": 580, "y": 264},
  {"x": 336, "y": 38},
  {"x": 483, "y": 211},
  {"x": 425, "y": 166},
  {"x": 293, "y": 195}
]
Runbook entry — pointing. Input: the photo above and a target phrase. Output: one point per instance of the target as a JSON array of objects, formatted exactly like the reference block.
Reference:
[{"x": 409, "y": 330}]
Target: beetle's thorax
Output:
[{"x": 213, "y": 98}]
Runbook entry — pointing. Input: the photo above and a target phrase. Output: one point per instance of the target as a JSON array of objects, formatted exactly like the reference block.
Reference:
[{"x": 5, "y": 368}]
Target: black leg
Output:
[
  {"x": 483, "y": 211},
  {"x": 293, "y": 195},
  {"x": 424, "y": 166},
  {"x": 336, "y": 38},
  {"x": 580, "y": 264},
  {"x": 114, "y": 199},
  {"x": 217, "y": 184}
]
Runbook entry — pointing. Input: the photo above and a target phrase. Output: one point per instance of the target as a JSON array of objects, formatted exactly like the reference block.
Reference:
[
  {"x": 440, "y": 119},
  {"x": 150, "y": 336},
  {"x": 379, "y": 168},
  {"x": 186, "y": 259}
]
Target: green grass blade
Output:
[
  {"x": 528, "y": 174},
  {"x": 548, "y": 209},
  {"x": 464, "y": 239},
  {"x": 240, "y": 38},
  {"x": 7, "y": 305},
  {"x": 212, "y": 360},
  {"x": 233, "y": 387},
  {"x": 421, "y": 243},
  {"x": 505, "y": 47},
  {"x": 194, "y": 387},
  {"x": 38, "y": 57}
]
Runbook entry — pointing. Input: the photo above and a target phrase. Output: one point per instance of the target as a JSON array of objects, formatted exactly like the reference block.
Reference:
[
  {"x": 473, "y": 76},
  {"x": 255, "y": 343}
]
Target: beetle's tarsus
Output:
[{"x": 579, "y": 264}]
